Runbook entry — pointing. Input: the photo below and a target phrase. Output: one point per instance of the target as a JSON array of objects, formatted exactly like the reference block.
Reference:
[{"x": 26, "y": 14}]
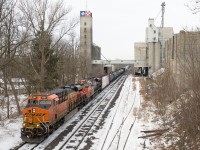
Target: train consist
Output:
[{"x": 46, "y": 112}]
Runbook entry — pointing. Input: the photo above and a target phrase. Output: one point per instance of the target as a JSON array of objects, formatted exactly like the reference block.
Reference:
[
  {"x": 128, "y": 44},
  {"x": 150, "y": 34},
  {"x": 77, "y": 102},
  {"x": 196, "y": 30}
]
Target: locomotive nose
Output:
[{"x": 29, "y": 134}]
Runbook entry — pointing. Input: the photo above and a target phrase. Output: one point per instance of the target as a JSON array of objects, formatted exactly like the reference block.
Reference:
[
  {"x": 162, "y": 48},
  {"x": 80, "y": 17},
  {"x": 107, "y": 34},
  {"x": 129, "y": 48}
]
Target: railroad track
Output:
[
  {"x": 76, "y": 138},
  {"x": 25, "y": 146},
  {"x": 128, "y": 85},
  {"x": 117, "y": 136}
]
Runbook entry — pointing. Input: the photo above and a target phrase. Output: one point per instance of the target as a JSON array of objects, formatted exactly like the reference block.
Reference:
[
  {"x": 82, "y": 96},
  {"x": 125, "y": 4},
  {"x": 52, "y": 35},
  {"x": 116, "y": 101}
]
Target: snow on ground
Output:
[
  {"x": 158, "y": 73},
  {"x": 10, "y": 133},
  {"x": 140, "y": 117},
  {"x": 10, "y": 128}
]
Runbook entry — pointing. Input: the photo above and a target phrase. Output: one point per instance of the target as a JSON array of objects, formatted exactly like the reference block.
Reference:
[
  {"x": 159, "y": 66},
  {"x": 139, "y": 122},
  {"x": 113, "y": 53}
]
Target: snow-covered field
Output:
[{"x": 130, "y": 107}]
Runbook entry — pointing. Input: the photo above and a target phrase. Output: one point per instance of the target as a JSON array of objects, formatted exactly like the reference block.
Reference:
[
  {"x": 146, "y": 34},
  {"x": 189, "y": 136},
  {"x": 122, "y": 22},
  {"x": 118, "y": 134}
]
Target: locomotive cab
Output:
[{"x": 36, "y": 118}]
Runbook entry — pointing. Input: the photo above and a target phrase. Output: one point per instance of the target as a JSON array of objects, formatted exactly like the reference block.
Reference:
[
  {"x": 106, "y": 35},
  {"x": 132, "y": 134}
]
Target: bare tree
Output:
[
  {"x": 194, "y": 6},
  {"x": 189, "y": 60},
  {"x": 68, "y": 60},
  {"x": 6, "y": 21},
  {"x": 43, "y": 19},
  {"x": 184, "y": 93},
  {"x": 12, "y": 37}
]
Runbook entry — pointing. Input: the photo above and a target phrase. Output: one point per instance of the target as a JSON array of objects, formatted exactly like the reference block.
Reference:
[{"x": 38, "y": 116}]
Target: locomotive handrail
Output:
[{"x": 44, "y": 124}]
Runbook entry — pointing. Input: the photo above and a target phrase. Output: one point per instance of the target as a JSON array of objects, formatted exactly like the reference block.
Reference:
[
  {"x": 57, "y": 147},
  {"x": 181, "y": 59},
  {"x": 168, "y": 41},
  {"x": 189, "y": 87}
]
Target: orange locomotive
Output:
[{"x": 46, "y": 112}]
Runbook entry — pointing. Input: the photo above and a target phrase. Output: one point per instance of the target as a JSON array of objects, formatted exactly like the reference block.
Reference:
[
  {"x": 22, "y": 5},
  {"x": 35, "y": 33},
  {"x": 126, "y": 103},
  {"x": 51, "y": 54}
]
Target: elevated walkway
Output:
[{"x": 136, "y": 63}]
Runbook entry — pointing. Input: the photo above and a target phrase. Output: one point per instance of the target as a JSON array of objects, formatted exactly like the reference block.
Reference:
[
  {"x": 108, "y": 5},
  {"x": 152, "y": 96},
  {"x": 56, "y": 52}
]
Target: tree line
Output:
[{"x": 38, "y": 44}]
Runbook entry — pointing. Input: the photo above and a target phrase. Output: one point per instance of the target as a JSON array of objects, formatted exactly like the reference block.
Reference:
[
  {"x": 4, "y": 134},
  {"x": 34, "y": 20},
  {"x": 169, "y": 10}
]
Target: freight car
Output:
[{"x": 45, "y": 112}]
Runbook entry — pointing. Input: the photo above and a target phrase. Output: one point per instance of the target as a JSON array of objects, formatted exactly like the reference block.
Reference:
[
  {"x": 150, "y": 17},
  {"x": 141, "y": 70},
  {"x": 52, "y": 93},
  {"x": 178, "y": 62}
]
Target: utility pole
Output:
[{"x": 163, "y": 39}]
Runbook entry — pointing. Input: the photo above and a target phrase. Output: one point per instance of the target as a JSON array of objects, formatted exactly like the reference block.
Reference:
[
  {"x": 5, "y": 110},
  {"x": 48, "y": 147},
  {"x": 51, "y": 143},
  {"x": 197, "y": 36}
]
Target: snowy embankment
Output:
[
  {"x": 10, "y": 133},
  {"x": 10, "y": 128},
  {"x": 130, "y": 115}
]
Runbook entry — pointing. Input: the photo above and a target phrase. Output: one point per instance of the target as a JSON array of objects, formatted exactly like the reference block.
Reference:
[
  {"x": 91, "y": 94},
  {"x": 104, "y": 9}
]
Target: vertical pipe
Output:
[{"x": 163, "y": 41}]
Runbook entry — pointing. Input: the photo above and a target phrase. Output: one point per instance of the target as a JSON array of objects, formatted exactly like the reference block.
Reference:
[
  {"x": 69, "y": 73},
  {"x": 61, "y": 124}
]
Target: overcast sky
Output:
[{"x": 118, "y": 24}]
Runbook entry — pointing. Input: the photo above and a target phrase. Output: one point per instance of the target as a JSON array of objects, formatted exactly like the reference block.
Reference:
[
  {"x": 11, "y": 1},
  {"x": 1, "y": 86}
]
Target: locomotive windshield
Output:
[
  {"x": 46, "y": 104},
  {"x": 33, "y": 101}
]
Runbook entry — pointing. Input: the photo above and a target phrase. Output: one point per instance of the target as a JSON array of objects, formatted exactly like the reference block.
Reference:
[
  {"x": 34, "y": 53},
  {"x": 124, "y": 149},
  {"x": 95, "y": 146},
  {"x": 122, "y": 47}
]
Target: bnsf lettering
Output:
[{"x": 32, "y": 115}]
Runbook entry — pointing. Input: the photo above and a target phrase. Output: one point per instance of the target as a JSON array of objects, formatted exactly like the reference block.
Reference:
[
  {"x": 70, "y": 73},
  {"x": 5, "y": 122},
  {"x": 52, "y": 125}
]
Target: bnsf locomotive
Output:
[{"x": 45, "y": 112}]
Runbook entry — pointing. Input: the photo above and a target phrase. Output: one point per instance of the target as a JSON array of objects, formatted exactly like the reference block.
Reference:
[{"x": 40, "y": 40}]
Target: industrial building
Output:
[
  {"x": 150, "y": 51},
  {"x": 88, "y": 50},
  {"x": 182, "y": 57}
]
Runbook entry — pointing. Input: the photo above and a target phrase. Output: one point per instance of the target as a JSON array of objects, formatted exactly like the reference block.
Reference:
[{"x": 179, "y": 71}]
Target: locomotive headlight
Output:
[
  {"x": 24, "y": 124},
  {"x": 38, "y": 125},
  {"x": 33, "y": 110}
]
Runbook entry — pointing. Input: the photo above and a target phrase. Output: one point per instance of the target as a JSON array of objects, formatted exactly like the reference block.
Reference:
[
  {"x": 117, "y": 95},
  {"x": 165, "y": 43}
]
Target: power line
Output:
[
  {"x": 158, "y": 14},
  {"x": 104, "y": 56}
]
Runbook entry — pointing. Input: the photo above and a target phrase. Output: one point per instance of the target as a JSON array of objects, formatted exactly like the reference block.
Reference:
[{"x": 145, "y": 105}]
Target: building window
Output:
[
  {"x": 150, "y": 25},
  {"x": 84, "y": 29},
  {"x": 173, "y": 47},
  {"x": 85, "y": 23},
  {"x": 85, "y": 36},
  {"x": 85, "y": 43},
  {"x": 154, "y": 31},
  {"x": 147, "y": 56}
]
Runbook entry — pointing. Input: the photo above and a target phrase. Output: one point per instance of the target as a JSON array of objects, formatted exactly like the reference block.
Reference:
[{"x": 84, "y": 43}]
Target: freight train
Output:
[{"x": 45, "y": 112}]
